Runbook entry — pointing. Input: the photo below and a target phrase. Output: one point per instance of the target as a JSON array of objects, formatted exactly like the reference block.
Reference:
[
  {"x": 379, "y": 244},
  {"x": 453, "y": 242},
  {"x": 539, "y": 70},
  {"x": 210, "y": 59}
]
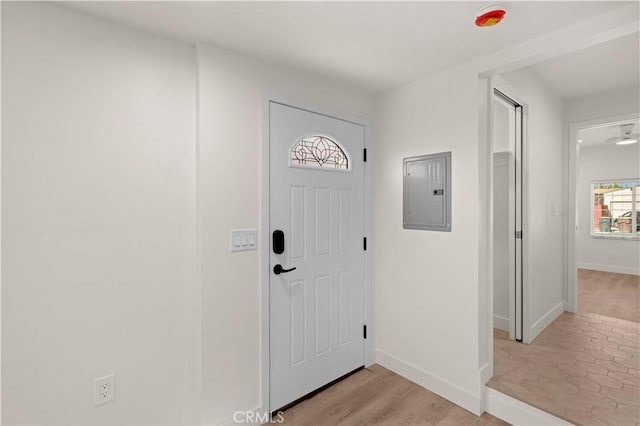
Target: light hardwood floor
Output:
[
  {"x": 584, "y": 368},
  {"x": 377, "y": 396},
  {"x": 609, "y": 294}
]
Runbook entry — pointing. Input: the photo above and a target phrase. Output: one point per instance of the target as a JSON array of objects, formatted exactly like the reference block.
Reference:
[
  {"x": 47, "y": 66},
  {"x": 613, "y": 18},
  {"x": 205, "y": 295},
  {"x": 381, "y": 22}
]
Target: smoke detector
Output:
[{"x": 490, "y": 16}]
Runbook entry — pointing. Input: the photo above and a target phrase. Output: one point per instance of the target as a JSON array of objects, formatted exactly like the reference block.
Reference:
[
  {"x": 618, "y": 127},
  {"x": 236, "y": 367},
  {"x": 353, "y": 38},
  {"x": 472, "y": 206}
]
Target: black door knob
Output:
[{"x": 278, "y": 269}]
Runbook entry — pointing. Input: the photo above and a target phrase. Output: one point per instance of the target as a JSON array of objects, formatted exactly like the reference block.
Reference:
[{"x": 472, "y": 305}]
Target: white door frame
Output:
[
  {"x": 264, "y": 235},
  {"x": 496, "y": 82},
  {"x": 572, "y": 263}
]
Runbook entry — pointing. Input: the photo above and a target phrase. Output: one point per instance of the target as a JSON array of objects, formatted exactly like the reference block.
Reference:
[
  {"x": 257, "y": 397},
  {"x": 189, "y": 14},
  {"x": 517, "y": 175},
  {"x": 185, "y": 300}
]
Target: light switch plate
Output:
[{"x": 244, "y": 239}]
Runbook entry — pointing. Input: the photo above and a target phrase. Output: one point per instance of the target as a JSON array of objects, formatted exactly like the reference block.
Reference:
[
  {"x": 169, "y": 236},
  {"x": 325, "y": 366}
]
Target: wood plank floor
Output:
[
  {"x": 609, "y": 294},
  {"x": 584, "y": 368},
  {"x": 377, "y": 396}
]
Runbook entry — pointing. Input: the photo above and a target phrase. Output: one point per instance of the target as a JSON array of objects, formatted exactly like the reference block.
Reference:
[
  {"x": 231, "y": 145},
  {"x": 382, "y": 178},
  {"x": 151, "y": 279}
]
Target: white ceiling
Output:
[
  {"x": 373, "y": 45},
  {"x": 606, "y": 66},
  {"x": 596, "y": 136}
]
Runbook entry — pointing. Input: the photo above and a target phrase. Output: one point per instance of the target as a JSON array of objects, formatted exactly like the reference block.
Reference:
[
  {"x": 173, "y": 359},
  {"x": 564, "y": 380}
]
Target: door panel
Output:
[
  {"x": 316, "y": 310},
  {"x": 297, "y": 322},
  {"x": 297, "y": 236},
  {"x": 344, "y": 303},
  {"x": 323, "y": 221},
  {"x": 345, "y": 220}
]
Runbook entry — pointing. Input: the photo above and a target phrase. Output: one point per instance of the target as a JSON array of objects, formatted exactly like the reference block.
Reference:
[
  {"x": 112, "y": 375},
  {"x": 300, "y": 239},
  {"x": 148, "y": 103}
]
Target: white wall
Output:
[
  {"x": 609, "y": 104},
  {"x": 604, "y": 163},
  {"x": 503, "y": 125},
  {"x": 426, "y": 282},
  {"x": 425, "y": 278},
  {"x": 432, "y": 290},
  {"x": 231, "y": 87},
  {"x": 503, "y": 145},
  {"x": 501, "y": 236},
  {"x": 99, "y": 213},
  {"x": 98, "y": 221},
  {"x": 545, "y": 156}
]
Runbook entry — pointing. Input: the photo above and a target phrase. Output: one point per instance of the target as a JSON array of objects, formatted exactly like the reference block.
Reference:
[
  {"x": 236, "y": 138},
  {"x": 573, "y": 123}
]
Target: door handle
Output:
[{"x": 278, "y": 269}]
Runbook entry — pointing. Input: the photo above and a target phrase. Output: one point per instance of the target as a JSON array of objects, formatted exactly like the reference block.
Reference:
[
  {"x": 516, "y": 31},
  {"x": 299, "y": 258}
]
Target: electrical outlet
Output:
[{"x": 104, "y": 388}]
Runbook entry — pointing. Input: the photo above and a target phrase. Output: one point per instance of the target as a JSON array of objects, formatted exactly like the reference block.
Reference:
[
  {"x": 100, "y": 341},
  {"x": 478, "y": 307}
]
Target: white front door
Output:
[{"x": 316, "y": 311}]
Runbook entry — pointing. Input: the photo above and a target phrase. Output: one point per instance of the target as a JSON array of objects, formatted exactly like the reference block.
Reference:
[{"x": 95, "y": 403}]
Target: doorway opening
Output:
[{"x": 604, "y": 265}]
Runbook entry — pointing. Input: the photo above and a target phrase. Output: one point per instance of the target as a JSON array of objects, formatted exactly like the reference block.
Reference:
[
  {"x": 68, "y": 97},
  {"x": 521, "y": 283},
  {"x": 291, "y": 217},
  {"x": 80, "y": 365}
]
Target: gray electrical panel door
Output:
[{"x": 427, "y": 192}]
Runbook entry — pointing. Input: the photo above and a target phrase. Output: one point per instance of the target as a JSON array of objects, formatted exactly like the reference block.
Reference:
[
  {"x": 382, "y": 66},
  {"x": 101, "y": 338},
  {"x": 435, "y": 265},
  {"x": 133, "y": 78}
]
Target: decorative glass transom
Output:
[{"x": 319, "y": 151}]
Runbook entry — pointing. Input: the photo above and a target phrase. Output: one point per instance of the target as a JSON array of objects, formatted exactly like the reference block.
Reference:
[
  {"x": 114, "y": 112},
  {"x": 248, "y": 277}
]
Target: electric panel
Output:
[{"x": 427, "y": 192}]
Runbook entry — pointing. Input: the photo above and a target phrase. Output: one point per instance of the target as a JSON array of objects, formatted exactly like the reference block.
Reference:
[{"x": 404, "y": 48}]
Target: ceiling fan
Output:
[{"x": 626, "y": 137}]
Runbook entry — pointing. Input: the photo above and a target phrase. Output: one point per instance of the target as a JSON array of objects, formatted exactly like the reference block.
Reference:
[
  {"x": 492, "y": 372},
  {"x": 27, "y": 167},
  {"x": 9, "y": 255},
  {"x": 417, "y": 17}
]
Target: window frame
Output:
[{"x": 634, "y": 234}]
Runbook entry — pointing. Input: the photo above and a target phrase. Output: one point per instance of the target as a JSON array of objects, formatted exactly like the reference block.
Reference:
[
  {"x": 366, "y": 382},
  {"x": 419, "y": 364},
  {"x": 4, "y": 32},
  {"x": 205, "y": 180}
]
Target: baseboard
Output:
[
  {"x": 501, "y": 323},
  {"x": 545, "y": 320},
  {"x": 486, "y": 373},
  {"x": 609, "y": 268},
  {"x": 517, "y": 412},
  {"x": 431, "y": 382}
]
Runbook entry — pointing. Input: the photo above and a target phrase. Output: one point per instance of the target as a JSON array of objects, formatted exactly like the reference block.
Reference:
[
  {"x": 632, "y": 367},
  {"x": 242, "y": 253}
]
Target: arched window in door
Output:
[{"x": 319, "y": 152}]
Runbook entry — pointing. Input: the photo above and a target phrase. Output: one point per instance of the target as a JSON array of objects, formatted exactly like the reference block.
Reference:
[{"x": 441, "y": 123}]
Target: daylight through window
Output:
[{"x": 615, "y": 208}]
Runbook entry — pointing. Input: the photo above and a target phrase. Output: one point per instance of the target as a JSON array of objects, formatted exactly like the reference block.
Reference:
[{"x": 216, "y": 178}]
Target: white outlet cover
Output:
[{"x": 104, "y": 389}]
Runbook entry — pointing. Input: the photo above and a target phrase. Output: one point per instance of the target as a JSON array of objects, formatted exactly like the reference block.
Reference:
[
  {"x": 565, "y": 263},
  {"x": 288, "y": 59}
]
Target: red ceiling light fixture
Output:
[{"x": 490, "y": 16}]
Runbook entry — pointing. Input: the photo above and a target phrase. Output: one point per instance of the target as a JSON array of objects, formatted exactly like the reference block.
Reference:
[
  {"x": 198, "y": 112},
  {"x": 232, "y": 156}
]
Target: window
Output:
[
  {"x": 615, "y": 209},
  {"x": 319, "y": 152}
]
